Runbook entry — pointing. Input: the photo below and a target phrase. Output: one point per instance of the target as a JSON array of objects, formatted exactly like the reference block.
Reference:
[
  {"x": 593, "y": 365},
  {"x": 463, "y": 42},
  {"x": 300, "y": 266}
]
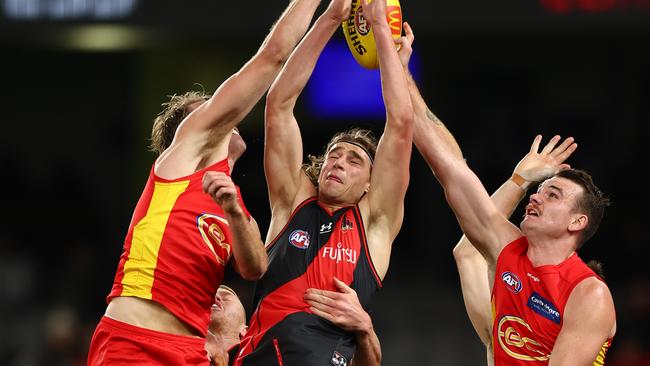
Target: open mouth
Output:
[
  {"x": 217, "y": 306},
  {"x": 335, "y": 178},
  {"x": 531, "y": 212}
]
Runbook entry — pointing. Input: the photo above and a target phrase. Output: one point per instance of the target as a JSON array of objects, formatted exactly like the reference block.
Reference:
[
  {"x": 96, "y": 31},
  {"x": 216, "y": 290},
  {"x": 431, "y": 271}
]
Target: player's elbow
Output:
[
  {"x": 274, "y": 52},
  {"x": 256, "y": 270},
  {"x": 402, "y": 119}
]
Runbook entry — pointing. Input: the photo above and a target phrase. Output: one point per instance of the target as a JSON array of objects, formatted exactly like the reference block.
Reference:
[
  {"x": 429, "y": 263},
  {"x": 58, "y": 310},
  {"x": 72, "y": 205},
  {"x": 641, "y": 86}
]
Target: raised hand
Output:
[
  {"x": 339, "y": 10},
  {"x": 404, "y": 45},
  {"x": 374, "y": 11},
  {"x": 537, "y": 166},
  {"x": 222, "y": 190},
  {"x": 341, "y": 308}
]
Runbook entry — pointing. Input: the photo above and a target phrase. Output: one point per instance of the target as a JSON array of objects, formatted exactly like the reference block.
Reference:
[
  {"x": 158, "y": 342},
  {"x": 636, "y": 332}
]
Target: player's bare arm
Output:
[
  {"x": 250, "y": 259},
  {"x": 201, "y": 139},
  {"x": 283, "y": 150},
  {"x": 383, "y": 206},
  {"x": 475, "y": 276},
  {"x": 589, "y": 320}
]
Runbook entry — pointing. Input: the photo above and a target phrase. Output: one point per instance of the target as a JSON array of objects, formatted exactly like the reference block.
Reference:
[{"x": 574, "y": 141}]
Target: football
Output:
[{"x": 358, "y": 33}]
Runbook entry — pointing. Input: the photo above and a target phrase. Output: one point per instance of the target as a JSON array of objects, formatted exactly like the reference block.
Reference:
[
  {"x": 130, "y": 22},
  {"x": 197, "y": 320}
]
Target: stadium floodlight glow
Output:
[{"x": 103, "y": 38}]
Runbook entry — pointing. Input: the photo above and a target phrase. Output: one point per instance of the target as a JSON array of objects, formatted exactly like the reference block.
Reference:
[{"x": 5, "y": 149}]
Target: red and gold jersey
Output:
[
  {"x": 528, "y": 305},
  {"x": 176, "y": 248}
]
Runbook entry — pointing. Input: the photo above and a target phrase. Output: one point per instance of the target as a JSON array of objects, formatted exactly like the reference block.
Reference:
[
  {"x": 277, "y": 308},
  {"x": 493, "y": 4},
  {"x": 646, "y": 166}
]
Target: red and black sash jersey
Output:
[
  {"x": 528, "y": 305},
  {"x": 177, "y": 247},
  {"x": 314, "y": 247}
]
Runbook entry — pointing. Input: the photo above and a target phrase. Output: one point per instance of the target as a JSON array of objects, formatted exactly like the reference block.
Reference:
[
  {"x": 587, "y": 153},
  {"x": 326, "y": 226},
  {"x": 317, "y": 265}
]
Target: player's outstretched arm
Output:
[
  {"x": 283, "y": 152},
  {"x": 390, "y": 172},
  {"x": 589, "y": 318},
  {"x": 424, "y": 119},
  {"x": 343, "y": 309},
  {"x": 475, "y": 276},
  {"x": 249, "y": 256},
  {"x": 234, "y": 99}
]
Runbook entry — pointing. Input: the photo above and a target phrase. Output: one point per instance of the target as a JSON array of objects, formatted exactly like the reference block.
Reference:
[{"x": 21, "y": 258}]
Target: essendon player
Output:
[
  {"x": 180, "y": 239},
  {"x": 342, "y": 224}
]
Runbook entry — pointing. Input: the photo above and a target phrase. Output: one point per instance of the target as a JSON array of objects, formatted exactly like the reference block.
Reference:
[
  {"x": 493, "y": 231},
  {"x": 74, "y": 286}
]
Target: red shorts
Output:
[{"x": 118, "y": 343}]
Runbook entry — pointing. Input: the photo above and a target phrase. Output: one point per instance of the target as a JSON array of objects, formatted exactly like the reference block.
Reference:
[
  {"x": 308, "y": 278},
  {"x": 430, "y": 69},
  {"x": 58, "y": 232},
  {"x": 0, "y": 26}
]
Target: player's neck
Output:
[
  {"x": 332, "y": 207},
  {"x": 231, "y": 164},
  {"x": 548, "y": 252}
]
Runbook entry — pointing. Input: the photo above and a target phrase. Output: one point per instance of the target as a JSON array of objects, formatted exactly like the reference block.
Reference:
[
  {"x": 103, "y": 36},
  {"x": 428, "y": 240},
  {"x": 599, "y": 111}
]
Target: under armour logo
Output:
[{"x": 326, "y": 228}]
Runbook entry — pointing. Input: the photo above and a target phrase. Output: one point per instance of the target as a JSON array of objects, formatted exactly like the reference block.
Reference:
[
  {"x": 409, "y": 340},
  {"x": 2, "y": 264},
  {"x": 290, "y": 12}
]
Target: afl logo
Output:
[
  {"x": 361, "y": 23},
  {"x": 513, "y": 284},
  {"x": 299, "y": 239}
]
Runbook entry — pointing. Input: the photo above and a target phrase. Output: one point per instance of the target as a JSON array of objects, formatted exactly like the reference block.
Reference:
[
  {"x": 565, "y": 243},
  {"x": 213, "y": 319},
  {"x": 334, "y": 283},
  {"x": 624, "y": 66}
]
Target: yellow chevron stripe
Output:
[{"x": 147, "y": 236}]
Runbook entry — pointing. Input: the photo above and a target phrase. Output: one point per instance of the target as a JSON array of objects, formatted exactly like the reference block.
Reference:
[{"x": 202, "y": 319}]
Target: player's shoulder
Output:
[
  {"x": 593, "y": 288},
  {"x": 592, "y": 293}
]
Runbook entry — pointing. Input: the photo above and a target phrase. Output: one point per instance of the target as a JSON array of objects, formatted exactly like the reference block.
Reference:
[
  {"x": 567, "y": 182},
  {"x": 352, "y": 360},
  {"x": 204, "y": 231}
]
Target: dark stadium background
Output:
[{"x": 78, "y": 100}]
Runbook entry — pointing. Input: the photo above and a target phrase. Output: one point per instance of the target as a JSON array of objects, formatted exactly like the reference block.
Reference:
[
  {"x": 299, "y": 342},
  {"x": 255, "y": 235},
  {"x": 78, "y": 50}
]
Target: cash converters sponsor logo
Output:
[
  {"x": 543, "y": 307},
  {"x": 513, "y": 283},
  {"x": 340, "y": 254},
  {"x": 515, "y": 340},
  {"x": 299, "y": 239},
  {"x": 213, "y": 236}
]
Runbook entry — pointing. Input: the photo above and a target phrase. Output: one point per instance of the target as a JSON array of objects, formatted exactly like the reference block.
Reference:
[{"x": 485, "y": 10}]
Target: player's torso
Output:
[
  {"x": 176, "y": 248},
  {"x": 528, "y": 305},
  {"x": 314, "y": 247}
]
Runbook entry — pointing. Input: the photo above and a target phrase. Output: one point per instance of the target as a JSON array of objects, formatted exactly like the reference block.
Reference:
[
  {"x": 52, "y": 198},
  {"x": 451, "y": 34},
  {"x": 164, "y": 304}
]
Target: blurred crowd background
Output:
[{"x": 82, "y": 81}]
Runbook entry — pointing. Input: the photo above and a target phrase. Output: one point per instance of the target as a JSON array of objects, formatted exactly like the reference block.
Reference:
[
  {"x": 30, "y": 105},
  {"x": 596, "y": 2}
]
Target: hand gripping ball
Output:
[{"x": 358, "y": 32}]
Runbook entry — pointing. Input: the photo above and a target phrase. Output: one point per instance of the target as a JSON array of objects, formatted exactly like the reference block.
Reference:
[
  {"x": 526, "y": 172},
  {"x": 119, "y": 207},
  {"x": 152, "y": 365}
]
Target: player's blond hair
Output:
[{"x": 360, "y": 137}]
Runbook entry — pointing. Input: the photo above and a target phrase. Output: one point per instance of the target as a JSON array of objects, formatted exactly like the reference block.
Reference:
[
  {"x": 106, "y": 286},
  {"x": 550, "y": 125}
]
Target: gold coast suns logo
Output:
[
  {"x": 514, "y": 338},
  {"x": 214, "y": 237}
]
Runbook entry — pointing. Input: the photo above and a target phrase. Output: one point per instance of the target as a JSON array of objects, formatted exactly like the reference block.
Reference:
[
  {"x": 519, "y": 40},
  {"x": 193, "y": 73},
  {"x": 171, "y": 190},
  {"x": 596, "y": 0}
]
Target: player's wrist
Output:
[
  {"x": 520, "y": 181},
  {"x": 235, "y": 211}
]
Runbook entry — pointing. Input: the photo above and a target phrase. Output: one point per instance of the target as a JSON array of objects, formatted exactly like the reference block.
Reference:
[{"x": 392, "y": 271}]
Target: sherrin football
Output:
[{"x": 358, "y": 32}]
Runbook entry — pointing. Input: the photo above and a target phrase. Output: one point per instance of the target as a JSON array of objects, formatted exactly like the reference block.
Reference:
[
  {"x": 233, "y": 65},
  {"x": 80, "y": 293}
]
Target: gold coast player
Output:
[
  {"x": 472, "y": 268},
  {"x": 513, "y": 344},
  {"x": 180, "y": 239},
  {"x": 339, "y": 225},
  {"x": 548, "y": 307}
]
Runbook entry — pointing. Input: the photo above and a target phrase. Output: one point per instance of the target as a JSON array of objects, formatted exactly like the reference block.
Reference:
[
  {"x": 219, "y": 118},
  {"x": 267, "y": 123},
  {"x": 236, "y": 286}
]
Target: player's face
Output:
[
  {"x": 551, "y": 211},
  {"x": 227, "y": 314},
  {"x": 345, "y": 174}
]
